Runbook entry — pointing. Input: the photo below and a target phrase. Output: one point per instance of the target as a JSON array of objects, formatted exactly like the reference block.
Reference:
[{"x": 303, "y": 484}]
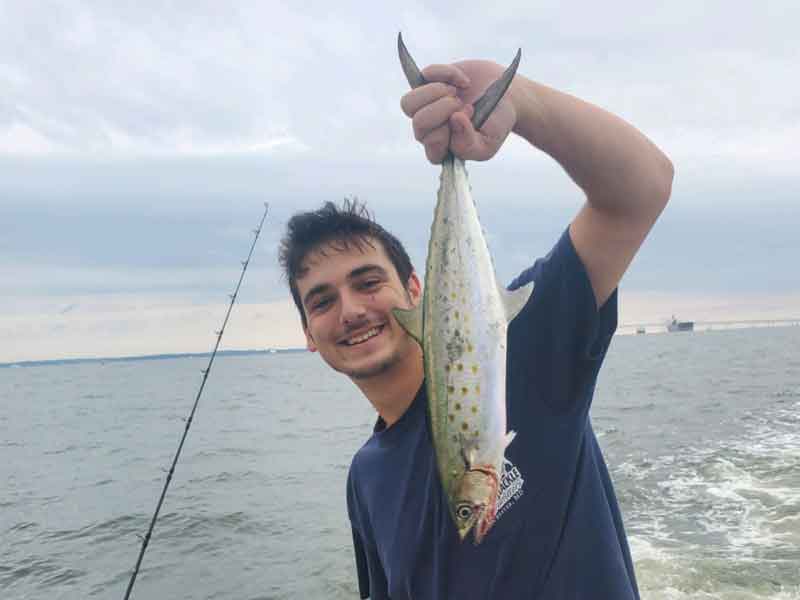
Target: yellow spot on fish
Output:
[
  {"x": 464, "y": 391},
  {"x": 469, "y": 349},
  {"x": 453, "y": 296},
  {"x": 477, "y": 389},
  {"x": 458, "y": 405},
  {"x": 451, "y": 417},
  {"x": 456, "y": 314},
  {"x": 460, "y": 367},
  {"x": 450, "y": 389},
  {"x": 475, "y": 433},
  {"x": 464, "y": 427},
  {"x": 474, "y": 409},
  {"x": 474, "y": 369}
]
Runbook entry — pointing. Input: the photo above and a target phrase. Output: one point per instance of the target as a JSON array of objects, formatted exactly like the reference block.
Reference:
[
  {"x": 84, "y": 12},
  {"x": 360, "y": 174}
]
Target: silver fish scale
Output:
[{"x": 465, "y": 331}]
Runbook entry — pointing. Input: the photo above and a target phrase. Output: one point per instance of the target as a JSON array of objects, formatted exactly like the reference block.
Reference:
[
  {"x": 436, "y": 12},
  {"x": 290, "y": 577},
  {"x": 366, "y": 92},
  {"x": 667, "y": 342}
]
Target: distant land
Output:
[
  {"x": 654, "y": 327},
  {"x": 63, "y": 361}
]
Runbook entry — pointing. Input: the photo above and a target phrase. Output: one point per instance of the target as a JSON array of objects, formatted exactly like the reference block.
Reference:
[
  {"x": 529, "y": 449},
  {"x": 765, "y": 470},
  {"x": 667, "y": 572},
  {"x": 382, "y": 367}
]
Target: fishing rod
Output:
[{"x": 146, "y": 538}]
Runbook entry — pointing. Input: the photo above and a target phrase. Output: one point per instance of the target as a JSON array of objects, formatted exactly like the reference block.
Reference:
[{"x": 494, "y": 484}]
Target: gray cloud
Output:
[
  {"x": 98, "y": 77},
  {"x": 137, "y": 142}
]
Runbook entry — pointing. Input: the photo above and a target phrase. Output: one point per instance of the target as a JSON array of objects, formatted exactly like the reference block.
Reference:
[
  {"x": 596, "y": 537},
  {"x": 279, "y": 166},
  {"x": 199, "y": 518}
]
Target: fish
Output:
[{"x": 461, "y": 325}]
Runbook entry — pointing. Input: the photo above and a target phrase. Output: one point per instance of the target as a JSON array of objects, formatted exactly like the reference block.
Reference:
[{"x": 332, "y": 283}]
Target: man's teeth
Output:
[{"x": 363, "y": 338}]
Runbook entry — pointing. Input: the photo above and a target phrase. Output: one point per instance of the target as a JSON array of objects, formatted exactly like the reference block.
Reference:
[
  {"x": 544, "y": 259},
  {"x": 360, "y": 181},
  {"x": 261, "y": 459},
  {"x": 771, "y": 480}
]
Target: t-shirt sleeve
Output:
[
  {"x": 371, "y": 578},
  {"x": 559, "y": 340}
]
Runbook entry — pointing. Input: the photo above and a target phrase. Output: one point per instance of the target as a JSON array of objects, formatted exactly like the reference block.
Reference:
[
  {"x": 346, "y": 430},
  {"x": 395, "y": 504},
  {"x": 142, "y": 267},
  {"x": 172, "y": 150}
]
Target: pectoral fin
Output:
[
  {"x": 411, "y": 321},
  {"x": 468, "y": 451},
  {"x": 515, "y": 300}
]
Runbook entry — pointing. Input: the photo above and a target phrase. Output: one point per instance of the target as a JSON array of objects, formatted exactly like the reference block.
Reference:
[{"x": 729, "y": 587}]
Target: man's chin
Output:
[
  {"x": 369, "y": 371},
  {"x": 372, "y": 365},
  {"x": 373, "y": 368}
]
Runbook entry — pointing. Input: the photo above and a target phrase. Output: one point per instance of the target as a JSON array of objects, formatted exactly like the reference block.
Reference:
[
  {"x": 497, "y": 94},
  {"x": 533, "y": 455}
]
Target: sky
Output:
[{"x": 139, "y": 141}]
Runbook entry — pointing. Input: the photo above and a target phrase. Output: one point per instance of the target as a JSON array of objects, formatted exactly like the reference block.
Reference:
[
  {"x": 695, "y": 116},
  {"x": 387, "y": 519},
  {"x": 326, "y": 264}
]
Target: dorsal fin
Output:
[{"x": 515, "y": 300}]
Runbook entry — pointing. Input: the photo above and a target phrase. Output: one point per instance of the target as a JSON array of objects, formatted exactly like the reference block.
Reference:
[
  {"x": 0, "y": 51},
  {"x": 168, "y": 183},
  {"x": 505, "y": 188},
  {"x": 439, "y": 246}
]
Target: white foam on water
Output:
[
  {"x": 670, "y": 593},
  {"x": 683, "y": 573},
  {"x": 722, "y": 521}
]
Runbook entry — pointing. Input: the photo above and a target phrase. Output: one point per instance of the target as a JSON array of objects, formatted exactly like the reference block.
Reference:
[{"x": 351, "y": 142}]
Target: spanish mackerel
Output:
[{"x": 461, "y": 325}]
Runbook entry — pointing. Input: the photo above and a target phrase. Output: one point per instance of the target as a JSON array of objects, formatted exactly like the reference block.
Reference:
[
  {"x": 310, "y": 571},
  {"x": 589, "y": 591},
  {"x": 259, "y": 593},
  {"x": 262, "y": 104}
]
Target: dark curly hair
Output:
[{"x": 350, "y": 225}]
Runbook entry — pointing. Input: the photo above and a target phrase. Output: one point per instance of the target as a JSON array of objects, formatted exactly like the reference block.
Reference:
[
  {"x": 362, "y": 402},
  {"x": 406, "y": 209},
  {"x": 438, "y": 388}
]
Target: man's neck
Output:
[{"x": 392, "y": 392}]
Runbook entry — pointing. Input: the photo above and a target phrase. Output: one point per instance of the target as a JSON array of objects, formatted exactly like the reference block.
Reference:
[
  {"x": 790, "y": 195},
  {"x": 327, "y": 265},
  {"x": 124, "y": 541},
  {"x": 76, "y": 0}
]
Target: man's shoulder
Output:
[
  {"x": 390, "y": 453},
  {"x": 362, "y": 457}
]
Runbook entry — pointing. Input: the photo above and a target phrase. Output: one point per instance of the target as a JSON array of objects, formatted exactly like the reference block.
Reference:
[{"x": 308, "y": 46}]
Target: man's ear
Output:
[
  {"x": 312, "y": 347},
  {"x": 414, "y": 289}
]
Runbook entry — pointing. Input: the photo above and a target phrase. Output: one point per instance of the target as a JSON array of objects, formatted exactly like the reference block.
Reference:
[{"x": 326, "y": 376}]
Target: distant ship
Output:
[{"x": 675, "y": 325}]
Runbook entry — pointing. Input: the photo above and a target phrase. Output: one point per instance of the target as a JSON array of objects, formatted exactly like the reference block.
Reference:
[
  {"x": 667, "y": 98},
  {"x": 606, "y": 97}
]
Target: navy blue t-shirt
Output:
[{"x": 559, "y": 533}]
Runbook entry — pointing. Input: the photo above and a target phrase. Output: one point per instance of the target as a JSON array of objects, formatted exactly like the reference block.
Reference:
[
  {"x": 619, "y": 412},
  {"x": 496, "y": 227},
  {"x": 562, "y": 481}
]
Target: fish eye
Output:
[{"x": 464, "y": 511}]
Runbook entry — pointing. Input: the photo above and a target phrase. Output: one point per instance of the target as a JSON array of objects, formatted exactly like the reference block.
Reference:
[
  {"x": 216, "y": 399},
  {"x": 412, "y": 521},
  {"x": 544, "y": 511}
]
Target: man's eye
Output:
[
  {"x": 321, "y": 303},
  {"x": 369, "y": 284}
]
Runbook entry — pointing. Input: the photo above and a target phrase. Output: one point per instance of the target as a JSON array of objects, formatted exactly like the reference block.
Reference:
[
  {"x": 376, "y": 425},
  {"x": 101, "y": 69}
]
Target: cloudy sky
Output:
[{"x": 138, "y": 142}]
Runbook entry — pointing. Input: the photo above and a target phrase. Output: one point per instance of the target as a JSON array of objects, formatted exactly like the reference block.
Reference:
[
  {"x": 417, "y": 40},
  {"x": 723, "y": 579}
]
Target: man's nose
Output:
[{"x": 353, "y": 309}]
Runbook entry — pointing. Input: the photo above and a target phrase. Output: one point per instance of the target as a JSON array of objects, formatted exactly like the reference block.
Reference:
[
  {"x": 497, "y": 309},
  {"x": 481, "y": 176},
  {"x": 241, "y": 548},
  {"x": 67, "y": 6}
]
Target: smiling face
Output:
[{"x": 347, "y": 294}]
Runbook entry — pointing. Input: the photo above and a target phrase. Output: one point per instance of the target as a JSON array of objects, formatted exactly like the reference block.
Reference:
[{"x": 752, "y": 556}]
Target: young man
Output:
[{"x": 559, "y": 533}]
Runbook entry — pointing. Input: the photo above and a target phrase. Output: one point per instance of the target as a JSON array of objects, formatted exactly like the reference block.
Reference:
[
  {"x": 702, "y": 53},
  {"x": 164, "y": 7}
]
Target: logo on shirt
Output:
[{"x": 511, "y": 487}]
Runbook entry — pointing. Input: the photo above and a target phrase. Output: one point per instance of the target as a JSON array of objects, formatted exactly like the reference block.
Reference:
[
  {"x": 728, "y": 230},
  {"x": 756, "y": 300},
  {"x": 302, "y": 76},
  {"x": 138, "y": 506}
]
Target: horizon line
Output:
[{"x": 142, "y": 357}]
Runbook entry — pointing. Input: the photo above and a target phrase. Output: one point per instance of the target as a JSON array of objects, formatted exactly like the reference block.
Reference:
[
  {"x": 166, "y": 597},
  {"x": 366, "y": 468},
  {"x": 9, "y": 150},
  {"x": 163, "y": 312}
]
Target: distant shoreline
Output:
[
  {"x": 59, "y": 361},
  {"x": 625, "y": 329}
]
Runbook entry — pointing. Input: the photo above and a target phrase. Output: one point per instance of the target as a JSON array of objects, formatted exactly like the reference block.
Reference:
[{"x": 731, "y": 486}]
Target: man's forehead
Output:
[{"x": 336, "y": 249}]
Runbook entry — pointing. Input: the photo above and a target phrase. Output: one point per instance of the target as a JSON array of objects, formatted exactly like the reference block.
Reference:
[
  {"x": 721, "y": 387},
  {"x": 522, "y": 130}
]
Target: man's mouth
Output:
[{"x": 363, "y": 337}]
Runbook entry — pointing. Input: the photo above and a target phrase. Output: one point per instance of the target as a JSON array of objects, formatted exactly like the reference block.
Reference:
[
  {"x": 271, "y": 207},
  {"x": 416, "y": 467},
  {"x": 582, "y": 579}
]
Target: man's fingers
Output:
[
  {"x": 446, "y": 74},
  {"x": 434, "y": 115},
  {"x": 422, "y": 96},
  {"x": 436, "y": 144},
  {"x": 463, "y": 134},
  {"x": 466, "y": 142}
]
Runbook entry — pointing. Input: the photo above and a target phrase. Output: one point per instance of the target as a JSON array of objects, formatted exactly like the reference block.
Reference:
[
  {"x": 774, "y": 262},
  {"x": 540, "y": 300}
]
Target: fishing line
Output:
[{"x": 146, "y": 538}]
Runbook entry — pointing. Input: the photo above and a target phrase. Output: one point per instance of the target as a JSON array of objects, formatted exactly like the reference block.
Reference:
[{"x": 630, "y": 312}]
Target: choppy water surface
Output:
[{"x": 701, "y": 431}]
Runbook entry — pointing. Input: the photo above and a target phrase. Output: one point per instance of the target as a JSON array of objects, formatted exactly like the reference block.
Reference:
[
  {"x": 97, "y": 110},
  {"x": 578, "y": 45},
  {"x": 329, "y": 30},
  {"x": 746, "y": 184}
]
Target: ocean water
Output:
[{"x": 701, "y": 432}]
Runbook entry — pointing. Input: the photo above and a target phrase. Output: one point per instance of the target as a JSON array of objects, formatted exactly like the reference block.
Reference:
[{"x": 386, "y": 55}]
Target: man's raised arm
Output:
[{"x": 626, "y": 178}]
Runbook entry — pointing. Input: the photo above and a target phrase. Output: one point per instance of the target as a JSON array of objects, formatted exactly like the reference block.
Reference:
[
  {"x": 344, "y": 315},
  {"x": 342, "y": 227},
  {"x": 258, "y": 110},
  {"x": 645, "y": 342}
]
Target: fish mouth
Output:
[{"x": 362, "y": 336}]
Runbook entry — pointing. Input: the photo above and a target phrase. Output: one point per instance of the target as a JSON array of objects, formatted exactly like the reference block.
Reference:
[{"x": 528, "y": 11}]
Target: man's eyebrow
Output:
[
  {"x": 365, "y": 270},
  {"x": 317, "y": 289}
]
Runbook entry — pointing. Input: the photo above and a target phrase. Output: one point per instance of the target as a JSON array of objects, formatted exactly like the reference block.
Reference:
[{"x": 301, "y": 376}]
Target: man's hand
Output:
[{"x": 441, "y": 111}]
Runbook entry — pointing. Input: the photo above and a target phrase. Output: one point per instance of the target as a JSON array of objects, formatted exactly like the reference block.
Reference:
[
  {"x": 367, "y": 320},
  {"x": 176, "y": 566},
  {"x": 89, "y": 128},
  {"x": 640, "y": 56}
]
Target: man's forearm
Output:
[{"x": 622, "y": 172}]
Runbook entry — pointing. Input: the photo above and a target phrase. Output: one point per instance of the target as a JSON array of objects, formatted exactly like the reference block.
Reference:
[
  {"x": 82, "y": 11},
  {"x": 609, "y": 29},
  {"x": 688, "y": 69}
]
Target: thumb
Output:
[
  {"x": 460, "y": 121},
  {"x": 463, "y": 134}
]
